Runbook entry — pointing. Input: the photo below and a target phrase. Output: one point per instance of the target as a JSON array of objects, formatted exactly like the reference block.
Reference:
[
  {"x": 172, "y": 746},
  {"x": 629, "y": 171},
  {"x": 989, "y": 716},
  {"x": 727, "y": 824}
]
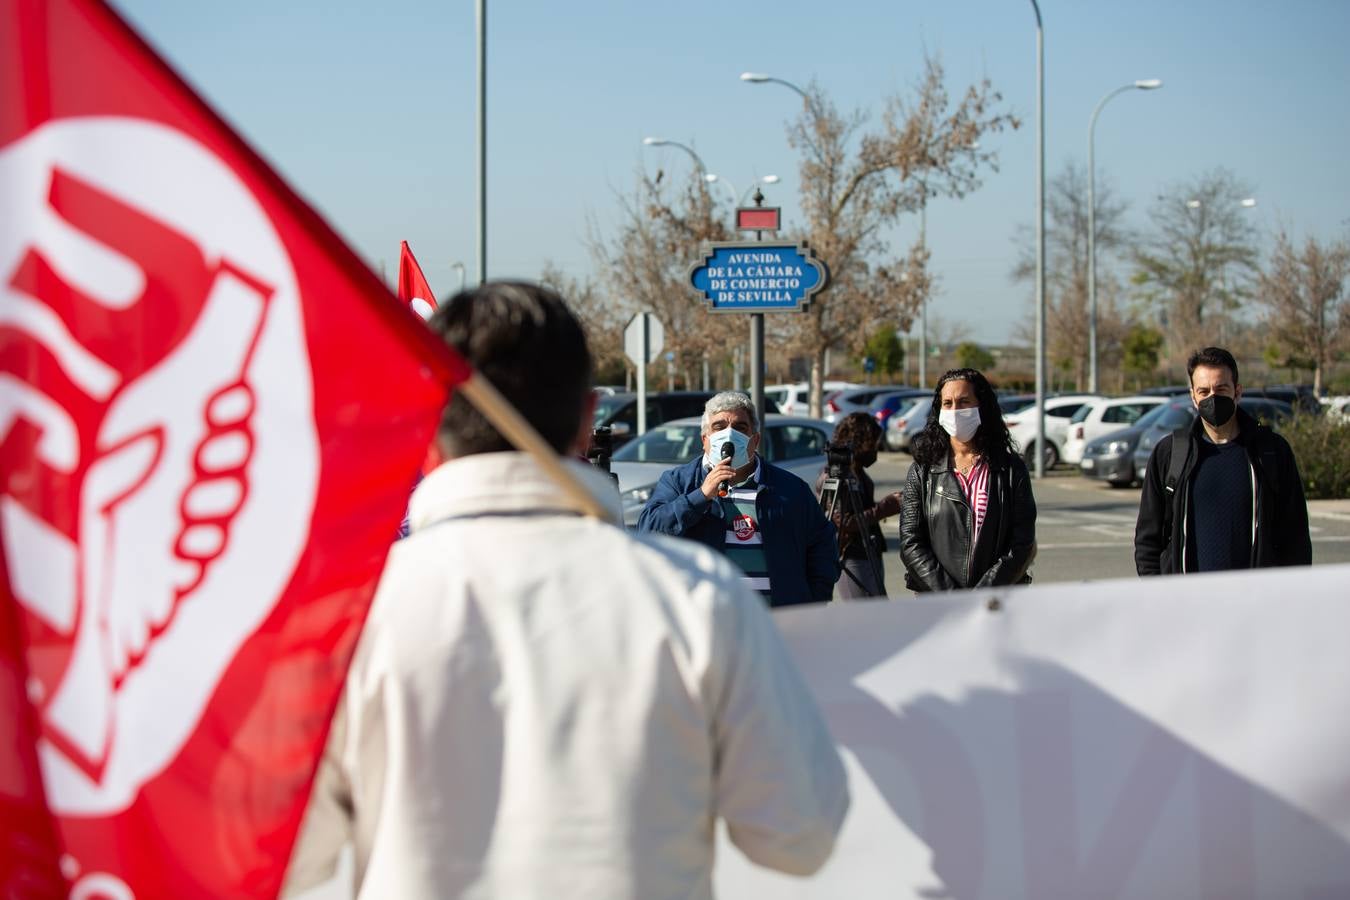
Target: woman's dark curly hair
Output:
[
  {"x": 992, "y": 441},
  {"x": 855, "y": 429}
]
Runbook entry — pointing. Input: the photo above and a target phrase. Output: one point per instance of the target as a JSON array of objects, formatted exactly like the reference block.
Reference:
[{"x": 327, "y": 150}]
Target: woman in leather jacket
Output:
[{"x": 968, "y": 519}]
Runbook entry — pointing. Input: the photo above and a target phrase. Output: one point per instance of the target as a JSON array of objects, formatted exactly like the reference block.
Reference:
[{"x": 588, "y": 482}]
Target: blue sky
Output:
[{"x": 368, "y": 110}]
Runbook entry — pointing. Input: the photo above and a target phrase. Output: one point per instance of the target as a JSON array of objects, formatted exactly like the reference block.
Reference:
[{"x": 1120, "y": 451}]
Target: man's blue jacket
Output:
[{"x": 799, "y": 542}]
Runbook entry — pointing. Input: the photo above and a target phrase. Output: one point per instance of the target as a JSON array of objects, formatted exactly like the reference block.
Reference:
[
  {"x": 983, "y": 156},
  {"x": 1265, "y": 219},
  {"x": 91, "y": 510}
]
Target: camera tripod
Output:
[{"x": 840, "y": 492}]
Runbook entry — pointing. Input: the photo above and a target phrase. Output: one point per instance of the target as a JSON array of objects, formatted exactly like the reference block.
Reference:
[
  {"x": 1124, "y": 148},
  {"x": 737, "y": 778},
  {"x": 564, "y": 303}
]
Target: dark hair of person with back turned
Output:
[
  {"x": 993, "y": 442},
  {"x": 525, "y": 341},
  {"x": 855, "y": 429},
  {"x": 1216, "y": 357}
]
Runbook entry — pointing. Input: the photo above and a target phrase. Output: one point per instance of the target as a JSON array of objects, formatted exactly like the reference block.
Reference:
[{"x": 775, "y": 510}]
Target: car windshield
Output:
[
  {"x": 1151, "y": 416},
  {"x": 607, "y": 406},
  {"x": 671, "y": 444},
  {"x": 1010, "y": 405},
  {"x": 1081, "y": 414},
  {"x": 1175, "y": 415}
]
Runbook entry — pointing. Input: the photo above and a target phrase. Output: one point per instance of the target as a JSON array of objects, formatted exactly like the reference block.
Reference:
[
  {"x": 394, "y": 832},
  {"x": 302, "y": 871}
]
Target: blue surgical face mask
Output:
[{"x": 739, "y": 441}]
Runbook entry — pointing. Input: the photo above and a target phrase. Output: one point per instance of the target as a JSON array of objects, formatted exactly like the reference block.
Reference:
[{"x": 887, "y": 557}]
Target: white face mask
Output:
[
  {"x": 739, "y": 441},
  {"x": 960, "y": 423}
]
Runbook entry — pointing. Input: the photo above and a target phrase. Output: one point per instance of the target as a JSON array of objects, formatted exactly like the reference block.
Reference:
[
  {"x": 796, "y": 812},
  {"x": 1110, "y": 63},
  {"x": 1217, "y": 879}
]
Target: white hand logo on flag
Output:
[{"x": 183, "y": 492}]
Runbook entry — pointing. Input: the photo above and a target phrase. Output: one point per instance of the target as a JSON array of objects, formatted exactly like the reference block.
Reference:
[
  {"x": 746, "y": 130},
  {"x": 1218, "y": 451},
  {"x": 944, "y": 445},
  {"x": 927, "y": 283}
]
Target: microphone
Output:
[{"x": 728, "y": 451}]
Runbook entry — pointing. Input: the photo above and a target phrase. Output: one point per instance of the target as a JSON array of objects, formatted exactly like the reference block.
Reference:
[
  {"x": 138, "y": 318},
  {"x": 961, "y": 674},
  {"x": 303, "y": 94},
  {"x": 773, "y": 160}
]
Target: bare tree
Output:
[
  {"x": 1196, "y": 267},
  {"x": 601, "y": 317},
  {"x": 1066, "y": 272},
  {"x": 855, "y": 183},
  {"x": 1304, "y": 297},
  {"x": 645, "y": 263}
]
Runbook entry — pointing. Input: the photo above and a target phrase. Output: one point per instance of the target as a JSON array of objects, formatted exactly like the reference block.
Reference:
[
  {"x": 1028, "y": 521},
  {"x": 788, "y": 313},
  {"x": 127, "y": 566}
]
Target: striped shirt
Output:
[
  {"x": 744, "y": 544},
  {"x": 975, "y": 486}
]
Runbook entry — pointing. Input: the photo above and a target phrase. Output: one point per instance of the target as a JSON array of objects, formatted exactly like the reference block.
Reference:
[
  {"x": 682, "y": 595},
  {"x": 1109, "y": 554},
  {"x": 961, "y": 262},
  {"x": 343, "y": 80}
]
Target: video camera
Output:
[
  {"x": 600, "y": 449},
  {"x": 839, "y": 460}
]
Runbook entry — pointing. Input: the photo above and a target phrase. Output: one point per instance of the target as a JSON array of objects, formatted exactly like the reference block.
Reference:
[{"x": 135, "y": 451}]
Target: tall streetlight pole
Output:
[
  {"x": 1148, "y": 84},
  {"x": 737, "y": 197},
  {"x": 480, "y": 8},
  {"x": 1040, "y": 243},
  {"x": 459, "y": 267},
  {"x": 757, "y": 319}
]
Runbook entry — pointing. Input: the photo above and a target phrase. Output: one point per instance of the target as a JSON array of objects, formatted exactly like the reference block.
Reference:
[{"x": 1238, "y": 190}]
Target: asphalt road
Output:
[{"x": 1085, "y": 528}]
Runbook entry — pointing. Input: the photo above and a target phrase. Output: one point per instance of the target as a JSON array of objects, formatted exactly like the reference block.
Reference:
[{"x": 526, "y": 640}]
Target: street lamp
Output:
[
  {"x": 1148, "y": 84},
  {"x": 459, "y": 267},
  {"x": 761, "y": 78},
  {"x": 662, "y": 142},
  {"x": 737, "y": 197}
]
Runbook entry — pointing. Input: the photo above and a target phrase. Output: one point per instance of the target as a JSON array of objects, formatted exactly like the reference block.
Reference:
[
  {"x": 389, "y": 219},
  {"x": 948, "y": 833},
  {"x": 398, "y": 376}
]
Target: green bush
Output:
[{"x": 1322, "y": 448}]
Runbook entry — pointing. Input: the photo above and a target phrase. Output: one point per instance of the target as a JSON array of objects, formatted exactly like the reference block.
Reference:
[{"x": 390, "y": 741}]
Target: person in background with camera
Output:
[
  {"x": 861, "y": 434},
  {"x": 968, "y": 518},
  {"x": 765, "y": 519}
]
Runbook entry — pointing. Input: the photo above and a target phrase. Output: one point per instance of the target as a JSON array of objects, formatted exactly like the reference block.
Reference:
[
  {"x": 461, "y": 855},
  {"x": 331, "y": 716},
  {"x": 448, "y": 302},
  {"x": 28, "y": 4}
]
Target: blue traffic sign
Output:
[{"x": 754, "y": 277}]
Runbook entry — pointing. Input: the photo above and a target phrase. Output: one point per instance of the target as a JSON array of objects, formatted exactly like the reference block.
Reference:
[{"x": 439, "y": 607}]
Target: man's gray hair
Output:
[{"x": 727, "y": 401}]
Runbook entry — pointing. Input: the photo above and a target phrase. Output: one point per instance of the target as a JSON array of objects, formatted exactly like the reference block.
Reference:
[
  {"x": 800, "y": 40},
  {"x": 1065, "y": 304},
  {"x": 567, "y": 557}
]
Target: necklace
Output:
[{"x": 965, "y": 470}]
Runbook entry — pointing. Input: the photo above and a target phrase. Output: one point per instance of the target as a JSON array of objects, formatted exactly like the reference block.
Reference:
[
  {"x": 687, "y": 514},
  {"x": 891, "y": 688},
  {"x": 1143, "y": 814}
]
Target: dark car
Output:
[
  {"x": 619, "y": 411},
  {"x": 1180, "y": 413},
  {"x": 1300, "y": 396},
  {"x": 1167, "y": 390},
  {"x": 884, "y": 406}
]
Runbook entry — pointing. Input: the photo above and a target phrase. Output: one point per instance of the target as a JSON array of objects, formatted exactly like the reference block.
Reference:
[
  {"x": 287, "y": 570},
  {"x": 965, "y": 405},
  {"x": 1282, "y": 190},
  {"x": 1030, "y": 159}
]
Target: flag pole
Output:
[{"x": 503, "y": 416}]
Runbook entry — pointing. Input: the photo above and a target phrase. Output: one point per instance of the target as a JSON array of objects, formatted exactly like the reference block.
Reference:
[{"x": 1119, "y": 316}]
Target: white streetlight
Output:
[
  {"x": 663, "y": 142},
  {"x": 1146, "y": 84},
  {"x": 459, "y": 267}
]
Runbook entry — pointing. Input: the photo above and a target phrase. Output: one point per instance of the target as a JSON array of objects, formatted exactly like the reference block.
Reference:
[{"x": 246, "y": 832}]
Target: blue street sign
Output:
[{"x": 756, "y": 277}]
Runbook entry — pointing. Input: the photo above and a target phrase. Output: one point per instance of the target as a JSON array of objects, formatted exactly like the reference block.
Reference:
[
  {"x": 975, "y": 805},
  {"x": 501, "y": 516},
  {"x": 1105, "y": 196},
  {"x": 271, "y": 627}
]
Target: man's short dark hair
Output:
[
  {"x": 525, "y": 341},
  {"x": 1214, "y": 357}
]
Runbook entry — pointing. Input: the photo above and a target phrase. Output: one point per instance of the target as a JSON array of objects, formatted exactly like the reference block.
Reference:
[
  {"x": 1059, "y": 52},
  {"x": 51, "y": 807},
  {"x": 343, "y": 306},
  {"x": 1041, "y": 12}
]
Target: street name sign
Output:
[{"x": 758, "y": 277}]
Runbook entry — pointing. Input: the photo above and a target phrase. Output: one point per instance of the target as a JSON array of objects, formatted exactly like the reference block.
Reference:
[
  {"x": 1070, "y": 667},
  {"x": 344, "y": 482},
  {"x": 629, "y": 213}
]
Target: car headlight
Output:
[
  {"x": 636, "y": 496},
  {"x": 1118, "y": 447}
]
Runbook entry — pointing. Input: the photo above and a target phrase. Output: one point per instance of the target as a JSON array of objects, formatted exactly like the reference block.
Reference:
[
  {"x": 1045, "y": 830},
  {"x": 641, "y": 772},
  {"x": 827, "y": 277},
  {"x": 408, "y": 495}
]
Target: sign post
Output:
[
  {"x": 756, "y": 277},
  {"x": 642, "y": 342}
]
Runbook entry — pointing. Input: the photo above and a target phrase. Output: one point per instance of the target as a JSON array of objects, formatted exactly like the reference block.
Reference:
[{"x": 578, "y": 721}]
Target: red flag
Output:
[
  {"x": 198, "y": 479},
  {"x": 412, "y": 284}
]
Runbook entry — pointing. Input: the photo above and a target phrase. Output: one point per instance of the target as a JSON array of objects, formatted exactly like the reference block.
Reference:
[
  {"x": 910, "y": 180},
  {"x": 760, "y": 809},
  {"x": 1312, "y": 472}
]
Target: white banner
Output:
[{"x": 1184, "y": 737}]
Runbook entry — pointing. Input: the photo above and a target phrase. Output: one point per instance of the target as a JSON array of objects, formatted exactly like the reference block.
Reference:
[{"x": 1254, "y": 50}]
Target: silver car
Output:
[
  {"x": 790, "y": 442},
  {"x": 907, "y": 421}
]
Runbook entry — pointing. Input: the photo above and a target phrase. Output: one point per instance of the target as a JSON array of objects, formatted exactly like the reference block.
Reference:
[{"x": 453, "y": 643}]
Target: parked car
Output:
[
  {"x": 1110, "y": 457},
  {"x": 1102, "y": 417},
  {"x": 1300, "y": 396},
  {"x": 887, "y": 405},
  {"x": 793, "y": 442},
  {"x": 1058, "y": 411},
  {"x": 908, "y": 421},
  {"x": 857, "y": 399},
  {"x": 794, "y": 399},
  {"x": 1181, "y": 413},
  {"x": 619, "y": 411},
  {"x": 1010, "y": 404},
  {"x": 1337, "y": 408}
]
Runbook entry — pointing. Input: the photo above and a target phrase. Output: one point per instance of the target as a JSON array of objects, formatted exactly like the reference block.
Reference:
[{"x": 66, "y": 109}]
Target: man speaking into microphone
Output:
[{"x": 764, "y": 519}]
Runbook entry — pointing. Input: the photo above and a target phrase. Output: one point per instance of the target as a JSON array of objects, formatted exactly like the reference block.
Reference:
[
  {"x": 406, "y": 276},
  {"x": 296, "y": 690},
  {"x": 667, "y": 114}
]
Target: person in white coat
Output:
[{"x": 544, "y": 705}]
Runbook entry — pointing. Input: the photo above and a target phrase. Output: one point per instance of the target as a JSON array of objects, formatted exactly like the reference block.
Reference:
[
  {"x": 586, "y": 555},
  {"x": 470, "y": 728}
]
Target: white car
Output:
[
  {"x": 790, "y": 442},
  {"x": 794, "y": 399},
  {"x": 1337, "y": 409},
  {"x": 1100, "y": 417},
  {"x": 1058, "y": 412}
]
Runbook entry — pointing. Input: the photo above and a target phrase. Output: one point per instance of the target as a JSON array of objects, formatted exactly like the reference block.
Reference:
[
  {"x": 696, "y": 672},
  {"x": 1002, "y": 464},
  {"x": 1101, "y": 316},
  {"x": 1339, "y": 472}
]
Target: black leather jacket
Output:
[{"x": 936, "y": 526}]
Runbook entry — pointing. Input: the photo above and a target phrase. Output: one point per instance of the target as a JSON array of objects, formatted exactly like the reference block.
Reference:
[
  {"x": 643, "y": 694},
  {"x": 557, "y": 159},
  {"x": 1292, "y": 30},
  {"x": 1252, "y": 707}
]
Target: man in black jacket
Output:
[{"x": 1230, "y": 497}]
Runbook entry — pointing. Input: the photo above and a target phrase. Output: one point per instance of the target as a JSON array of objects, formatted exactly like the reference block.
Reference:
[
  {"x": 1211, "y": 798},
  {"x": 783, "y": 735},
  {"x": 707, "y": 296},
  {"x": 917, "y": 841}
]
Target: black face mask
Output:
[
  {"x": 1216, "y": 409},
  {"x": 865, "y": 458}
]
